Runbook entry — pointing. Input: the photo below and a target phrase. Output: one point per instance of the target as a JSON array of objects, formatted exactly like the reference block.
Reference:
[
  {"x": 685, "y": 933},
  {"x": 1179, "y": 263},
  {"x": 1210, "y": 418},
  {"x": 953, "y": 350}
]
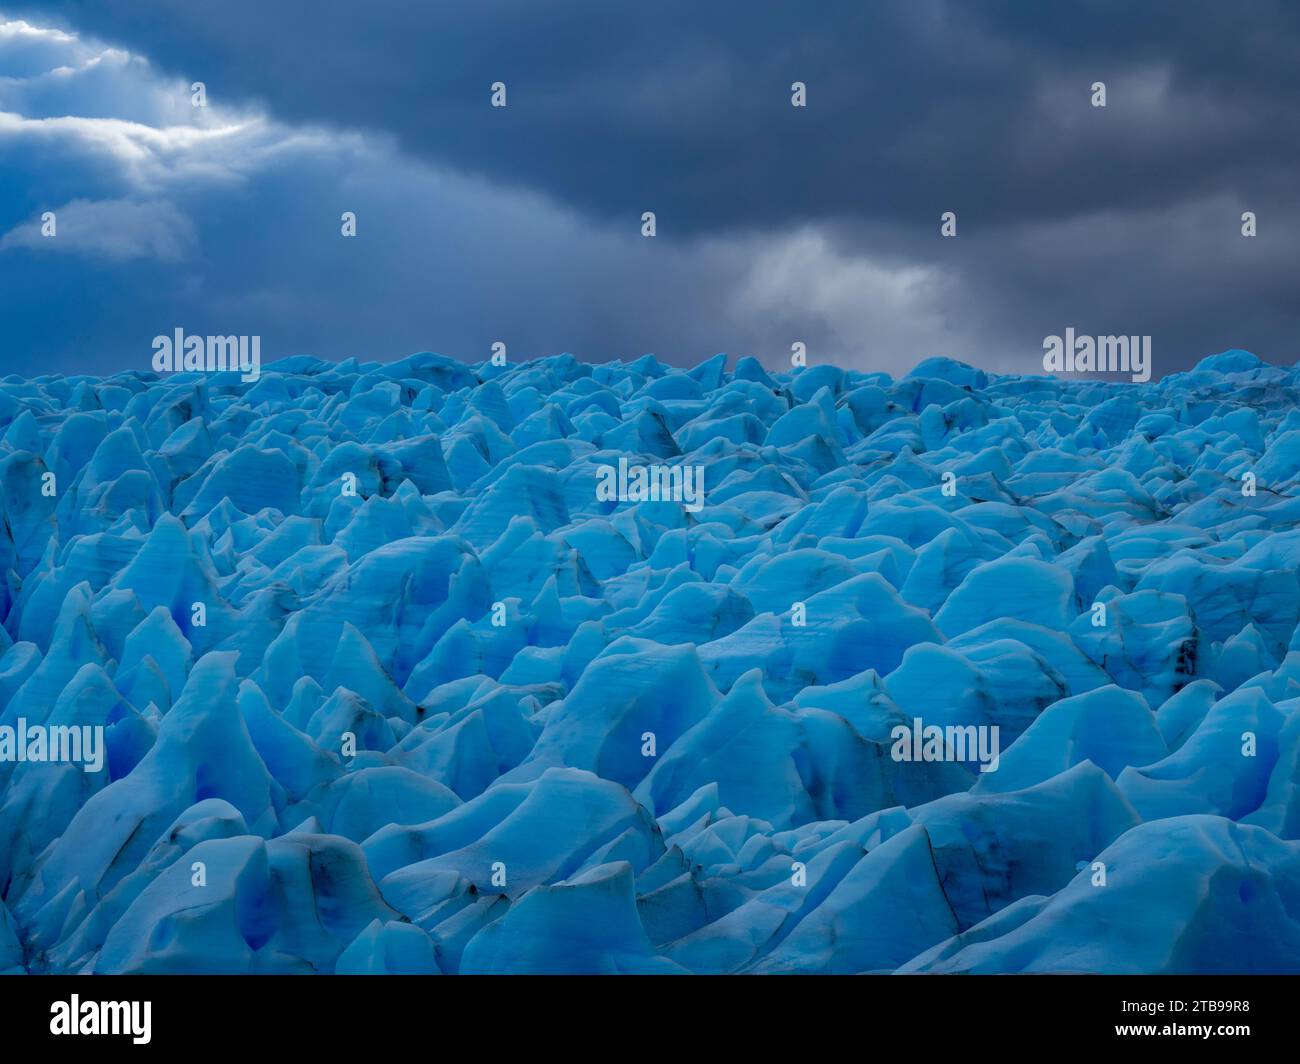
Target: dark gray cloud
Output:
[
  {"x": 684, "y": 108},
  {"x": 776, "y": 223}
]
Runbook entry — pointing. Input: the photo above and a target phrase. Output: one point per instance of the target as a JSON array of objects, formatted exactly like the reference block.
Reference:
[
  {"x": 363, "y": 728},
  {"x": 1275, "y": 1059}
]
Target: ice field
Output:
[{"x": 560, "y": 667}]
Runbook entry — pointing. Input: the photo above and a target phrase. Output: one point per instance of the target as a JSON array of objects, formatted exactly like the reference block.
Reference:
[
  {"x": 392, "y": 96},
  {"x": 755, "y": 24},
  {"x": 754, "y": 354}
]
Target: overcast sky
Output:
[{"x": 522, "y": 224}]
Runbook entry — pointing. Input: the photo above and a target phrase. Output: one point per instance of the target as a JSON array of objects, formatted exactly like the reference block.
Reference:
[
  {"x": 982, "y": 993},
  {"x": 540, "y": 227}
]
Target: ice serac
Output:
[
  {"x": 587, "y": 925},
  {"x": 392, "y": 948},
  {"x": 963, "y": 671},
  {"x": 290, "y": 905},
  {"x": 891, "y": 905},
  {"x": 1229, "y": 905}
]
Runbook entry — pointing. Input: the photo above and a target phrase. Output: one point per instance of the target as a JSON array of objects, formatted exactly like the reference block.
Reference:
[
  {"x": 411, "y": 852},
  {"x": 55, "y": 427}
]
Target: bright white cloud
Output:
[
  {"x": 18, "y": 29},
  {"x": 112, "y": 229},
  {"x": 880, "y": 313}
]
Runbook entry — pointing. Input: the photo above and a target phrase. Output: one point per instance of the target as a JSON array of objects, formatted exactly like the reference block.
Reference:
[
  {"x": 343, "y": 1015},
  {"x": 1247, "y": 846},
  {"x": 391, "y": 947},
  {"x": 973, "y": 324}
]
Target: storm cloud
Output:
[{"x": 775, "y": 223}]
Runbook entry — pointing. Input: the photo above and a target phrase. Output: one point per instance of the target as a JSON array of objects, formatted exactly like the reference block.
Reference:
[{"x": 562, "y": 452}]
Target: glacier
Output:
[{"x": 386, "y": 684}]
